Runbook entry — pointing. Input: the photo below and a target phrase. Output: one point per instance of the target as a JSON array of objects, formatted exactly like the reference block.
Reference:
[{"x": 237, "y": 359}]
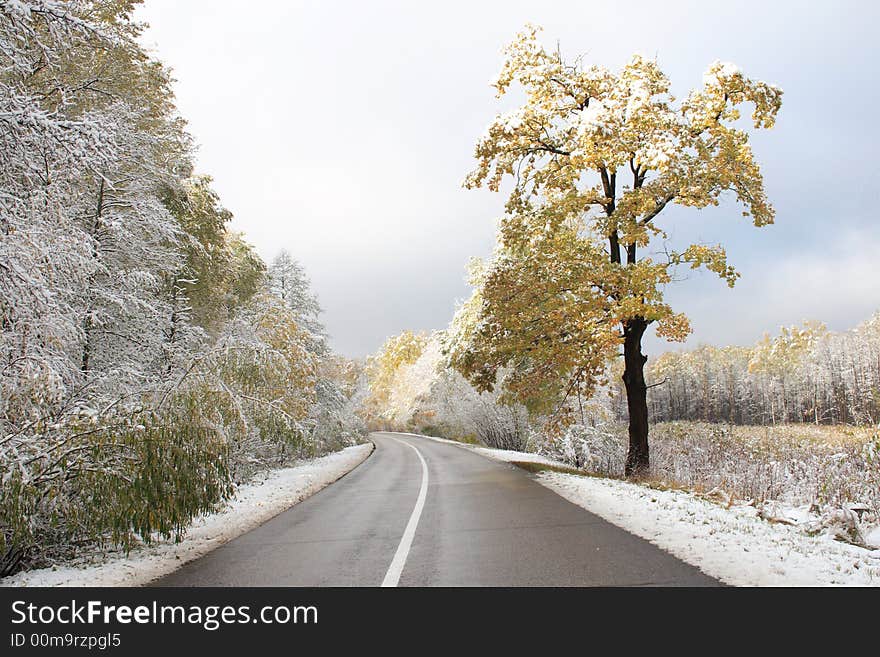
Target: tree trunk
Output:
[
  {"x": 636, "y": 396},
  {"x": 87, "y": 321}
]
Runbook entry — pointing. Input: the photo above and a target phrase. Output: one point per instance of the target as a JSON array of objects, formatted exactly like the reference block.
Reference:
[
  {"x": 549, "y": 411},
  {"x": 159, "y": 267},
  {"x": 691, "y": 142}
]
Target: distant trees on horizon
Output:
[{"x": 804, "y": 374}]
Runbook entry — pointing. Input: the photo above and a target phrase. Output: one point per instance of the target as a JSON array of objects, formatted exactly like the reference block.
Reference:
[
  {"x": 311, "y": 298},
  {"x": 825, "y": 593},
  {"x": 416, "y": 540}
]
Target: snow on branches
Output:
[
  {"x": 594, "y": 157},
  {"x": 146, "y": 362}
]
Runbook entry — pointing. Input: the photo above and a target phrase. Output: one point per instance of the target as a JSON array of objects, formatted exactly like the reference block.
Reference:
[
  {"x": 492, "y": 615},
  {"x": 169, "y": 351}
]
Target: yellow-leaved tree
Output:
[
  {"x": 382, "y": 372},
  {"x": 594, "y": 157}
]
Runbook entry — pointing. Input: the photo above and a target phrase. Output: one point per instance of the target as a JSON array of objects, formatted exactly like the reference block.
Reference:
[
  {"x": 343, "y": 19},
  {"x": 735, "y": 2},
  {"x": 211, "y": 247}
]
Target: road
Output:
[{"x": 419, "y": 512}]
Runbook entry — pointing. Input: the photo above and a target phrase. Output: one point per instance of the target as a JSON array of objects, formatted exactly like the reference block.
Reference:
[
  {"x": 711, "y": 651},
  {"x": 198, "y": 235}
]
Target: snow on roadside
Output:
[
  {"x": 508, "y": 456},
  {"x": 253, "y": 504},
  {"x": 732, "y": 544}
]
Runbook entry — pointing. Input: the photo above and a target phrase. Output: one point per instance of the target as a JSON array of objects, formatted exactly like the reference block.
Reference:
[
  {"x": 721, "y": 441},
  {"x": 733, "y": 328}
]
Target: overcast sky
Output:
[{"x": 342, "y": 131}]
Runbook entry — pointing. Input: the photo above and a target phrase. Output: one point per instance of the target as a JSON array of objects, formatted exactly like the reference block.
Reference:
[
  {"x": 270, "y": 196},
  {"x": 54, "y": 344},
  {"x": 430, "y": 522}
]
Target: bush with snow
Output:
[{"x": 829, "y": 469}]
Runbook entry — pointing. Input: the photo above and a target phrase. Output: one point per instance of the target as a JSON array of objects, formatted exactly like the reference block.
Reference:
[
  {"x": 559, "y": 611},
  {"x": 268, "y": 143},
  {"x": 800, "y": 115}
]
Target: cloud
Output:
[
  {"x": 342, "y": 132},
  {"x": 837, "y": 283}
]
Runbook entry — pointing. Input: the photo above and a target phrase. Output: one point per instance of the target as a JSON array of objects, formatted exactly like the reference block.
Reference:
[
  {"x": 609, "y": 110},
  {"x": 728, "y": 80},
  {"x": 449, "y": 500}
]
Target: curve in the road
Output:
[{"x": 440, "y": 515}]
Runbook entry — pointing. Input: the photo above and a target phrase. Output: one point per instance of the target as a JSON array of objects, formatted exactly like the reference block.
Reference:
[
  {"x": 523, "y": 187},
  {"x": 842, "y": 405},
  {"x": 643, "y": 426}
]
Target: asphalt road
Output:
[{"x": 422, "y": 513}]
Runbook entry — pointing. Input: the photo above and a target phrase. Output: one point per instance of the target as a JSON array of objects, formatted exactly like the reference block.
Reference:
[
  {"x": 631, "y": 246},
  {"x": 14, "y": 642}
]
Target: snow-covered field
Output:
[
  {"x": 728, "y": 541},
  {"x": 253, "y": 504}
]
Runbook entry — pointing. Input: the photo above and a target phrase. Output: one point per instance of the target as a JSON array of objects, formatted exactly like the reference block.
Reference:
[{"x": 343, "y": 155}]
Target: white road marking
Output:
[{"x": 397, "y": 564}]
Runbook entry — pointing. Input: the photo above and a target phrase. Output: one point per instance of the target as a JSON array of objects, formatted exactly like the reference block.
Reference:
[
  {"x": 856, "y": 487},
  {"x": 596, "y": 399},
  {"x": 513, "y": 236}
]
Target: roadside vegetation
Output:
[{"x": 150, "y": 361}]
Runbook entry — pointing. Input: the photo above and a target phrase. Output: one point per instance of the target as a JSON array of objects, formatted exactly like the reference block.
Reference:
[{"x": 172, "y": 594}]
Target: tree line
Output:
[
  {"x": 804, "y": 374},
  {"x": 149, "y": 359}
]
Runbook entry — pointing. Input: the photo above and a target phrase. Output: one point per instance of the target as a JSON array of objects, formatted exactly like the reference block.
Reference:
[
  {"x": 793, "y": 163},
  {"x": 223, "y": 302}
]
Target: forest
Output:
[{"x": 150, "y": 361}]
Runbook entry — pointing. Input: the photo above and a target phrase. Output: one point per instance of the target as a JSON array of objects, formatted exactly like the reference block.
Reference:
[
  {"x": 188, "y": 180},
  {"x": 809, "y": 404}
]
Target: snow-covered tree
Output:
[
  {"x": 289, "y": 282},
  {"x": 414, "y": 387},
  {"x": 594, "y": 158},
  {"x": 144, "y": 365},
  {"x": 382, "y": 370}
]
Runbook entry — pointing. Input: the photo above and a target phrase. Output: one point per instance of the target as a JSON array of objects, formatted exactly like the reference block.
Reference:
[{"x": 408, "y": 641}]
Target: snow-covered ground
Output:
[
  {"x": 732, "y": 544},
  {"x": 728, "y": 541},
  {"x": 253, "y": 504}
]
